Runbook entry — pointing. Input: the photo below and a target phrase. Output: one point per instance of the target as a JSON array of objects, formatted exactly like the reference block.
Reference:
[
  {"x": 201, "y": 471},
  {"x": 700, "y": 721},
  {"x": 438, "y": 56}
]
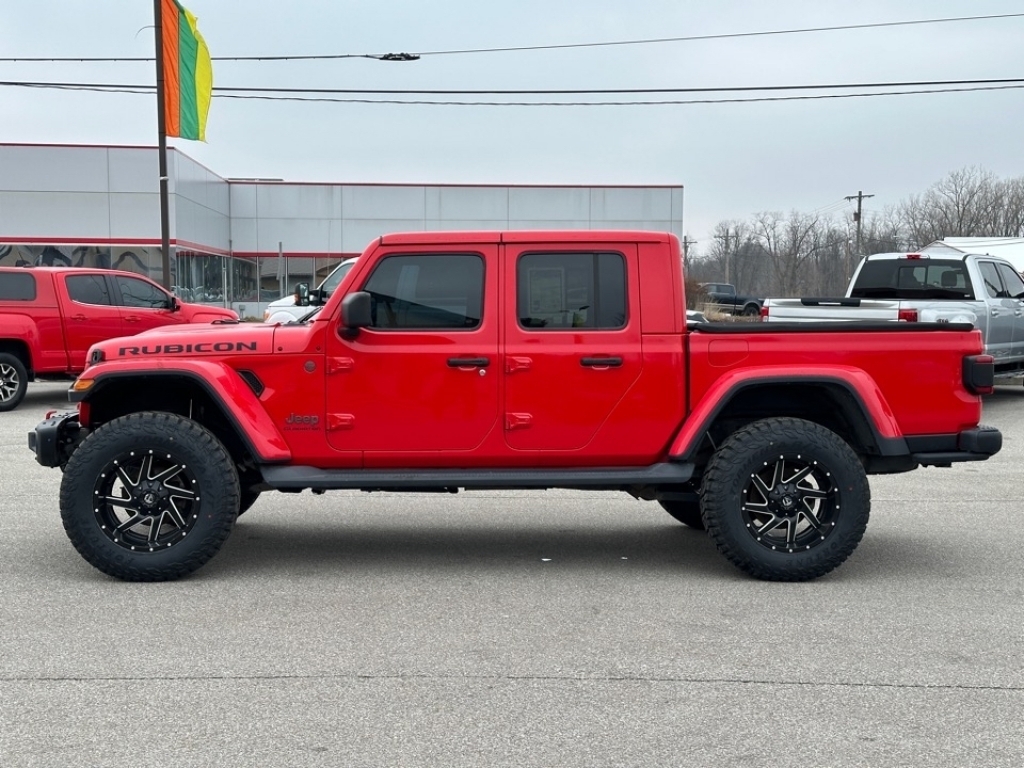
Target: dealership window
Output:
[
  {"x": 559, "y": 291},
  {"x": 428, "y": 291}
]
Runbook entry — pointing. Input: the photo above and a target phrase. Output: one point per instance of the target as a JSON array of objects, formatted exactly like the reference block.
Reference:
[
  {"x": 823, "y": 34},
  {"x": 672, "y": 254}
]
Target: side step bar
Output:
[{"x": 299, "y": 478}]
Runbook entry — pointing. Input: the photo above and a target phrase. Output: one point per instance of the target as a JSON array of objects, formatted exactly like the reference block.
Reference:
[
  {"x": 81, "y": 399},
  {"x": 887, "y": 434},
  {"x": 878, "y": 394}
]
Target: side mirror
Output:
[
  {"x": 302, "y": 294},
  {"x": 172, "y": 303},
  {"x": 355, "y": 312},
  {"x": 317, "y": 297}
]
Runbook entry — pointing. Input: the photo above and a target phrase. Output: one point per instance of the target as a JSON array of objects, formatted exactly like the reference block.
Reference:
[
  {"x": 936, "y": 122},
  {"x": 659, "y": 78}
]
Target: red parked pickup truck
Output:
[
  {"x": 50, "y": 316},
  {"x": 512, "y": 360}
]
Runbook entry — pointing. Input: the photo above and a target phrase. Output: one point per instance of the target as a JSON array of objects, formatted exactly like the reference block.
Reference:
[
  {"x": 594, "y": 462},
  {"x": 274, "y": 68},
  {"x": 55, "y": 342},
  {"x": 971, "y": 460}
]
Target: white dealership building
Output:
[{"x": 242, "y": 242}]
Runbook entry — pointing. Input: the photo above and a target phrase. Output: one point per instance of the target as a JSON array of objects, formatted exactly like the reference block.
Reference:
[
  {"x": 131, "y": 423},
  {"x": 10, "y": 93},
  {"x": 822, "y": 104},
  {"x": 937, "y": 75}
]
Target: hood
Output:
[
  {"x": 208, "y": 310},
  {"x": 287, "y": 301},
  {"x": 191, "y": 340}
]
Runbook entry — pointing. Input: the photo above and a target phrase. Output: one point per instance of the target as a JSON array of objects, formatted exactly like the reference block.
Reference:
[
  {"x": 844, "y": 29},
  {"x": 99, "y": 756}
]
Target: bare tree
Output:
[
  {"x": 966, "y": 203},
  {"x": 804, "y": 254},
  {"x": 789, "y": 244}
]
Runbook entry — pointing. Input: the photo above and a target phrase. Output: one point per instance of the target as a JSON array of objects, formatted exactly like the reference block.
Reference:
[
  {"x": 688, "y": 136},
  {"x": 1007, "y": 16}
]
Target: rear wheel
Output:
[
  {"x": 686, "y": 512},
  {"x": 149, "y": 497},
  {"x": 13, "y": 381},
  {"x": 786, "y": 499}
]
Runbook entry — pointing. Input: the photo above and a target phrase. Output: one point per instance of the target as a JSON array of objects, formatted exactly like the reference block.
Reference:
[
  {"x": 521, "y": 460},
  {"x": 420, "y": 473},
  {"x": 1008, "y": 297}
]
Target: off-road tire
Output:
[
  {"x": 171, "y": 475},
  {"x": 771, "y": 522},
  {"x": 686, "y": 512},
  {"x": 246, "y": 499},
  {"x": 13, "y": 381}
]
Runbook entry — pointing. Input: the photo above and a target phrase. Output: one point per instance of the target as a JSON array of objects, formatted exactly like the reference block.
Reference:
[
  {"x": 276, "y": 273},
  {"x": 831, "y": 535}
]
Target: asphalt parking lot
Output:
[{"x": 519, "y": 629}]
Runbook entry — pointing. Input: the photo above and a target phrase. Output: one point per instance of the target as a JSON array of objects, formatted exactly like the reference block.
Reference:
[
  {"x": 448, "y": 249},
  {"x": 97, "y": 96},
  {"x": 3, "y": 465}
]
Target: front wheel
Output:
[
  {"x": 13, "y": 382},
  {"x": 149, "y": 497},
  {"x": 786, "y": 499}
]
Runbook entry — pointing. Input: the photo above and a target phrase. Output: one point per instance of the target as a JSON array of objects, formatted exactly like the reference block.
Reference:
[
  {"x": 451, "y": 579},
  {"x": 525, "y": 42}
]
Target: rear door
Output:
[
  {"x": 1002, "y": 311},
  {"x": 1013, "y": 286},
  {"x": 91, "y": 314},
  {"x": 572, "y": 348}
]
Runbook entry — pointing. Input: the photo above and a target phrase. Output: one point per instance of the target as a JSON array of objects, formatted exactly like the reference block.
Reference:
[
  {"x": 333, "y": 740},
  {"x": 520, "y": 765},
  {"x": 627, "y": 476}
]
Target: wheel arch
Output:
[
  {"x": 192, "y": 395},
  {"x": 19, "y": 348},
  {"x": 861, "y": 418}
]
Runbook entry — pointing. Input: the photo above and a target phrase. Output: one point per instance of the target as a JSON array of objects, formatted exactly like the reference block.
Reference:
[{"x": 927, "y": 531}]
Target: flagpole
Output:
[{"x": 161, "y": 119}]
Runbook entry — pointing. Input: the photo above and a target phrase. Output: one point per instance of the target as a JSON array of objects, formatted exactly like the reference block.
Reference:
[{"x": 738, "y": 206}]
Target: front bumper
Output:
[{"x": 55, "y": 438}]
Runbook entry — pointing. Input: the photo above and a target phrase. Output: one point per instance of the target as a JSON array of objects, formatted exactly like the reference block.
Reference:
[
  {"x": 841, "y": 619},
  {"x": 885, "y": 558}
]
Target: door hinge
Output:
[
  {"x": 517, "y": 421},
  {"x": 340, "y": 365},
  {"x": 339, "y": 421},
  {"x": 513, "y": 364}
]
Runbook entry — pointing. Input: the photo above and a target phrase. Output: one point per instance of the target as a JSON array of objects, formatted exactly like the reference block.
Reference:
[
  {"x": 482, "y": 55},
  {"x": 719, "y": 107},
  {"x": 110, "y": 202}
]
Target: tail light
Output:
[
  {"x": 764, "y": 313},
  {"x": 979, "y": 374},
  {"x": 907, "y": 315}
]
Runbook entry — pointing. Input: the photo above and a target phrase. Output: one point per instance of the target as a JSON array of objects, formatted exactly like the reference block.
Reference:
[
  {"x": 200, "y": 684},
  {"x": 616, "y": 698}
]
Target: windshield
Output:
[{"x": 334, "y": 279}]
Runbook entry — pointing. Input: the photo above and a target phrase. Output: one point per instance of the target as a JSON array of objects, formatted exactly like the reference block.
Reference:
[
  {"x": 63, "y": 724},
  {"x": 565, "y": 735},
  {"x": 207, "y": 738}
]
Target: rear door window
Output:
[
  {"x": 990, "y": 276},
  {"x": 89, "y": 289},
  {"x": 1012, "y": 283},
  {"x": 560, "y": 291}
]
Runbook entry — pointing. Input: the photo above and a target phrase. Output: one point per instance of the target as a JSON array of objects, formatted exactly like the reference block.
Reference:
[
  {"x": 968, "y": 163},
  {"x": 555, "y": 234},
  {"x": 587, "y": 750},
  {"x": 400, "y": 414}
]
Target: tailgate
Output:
[{"x": 828, "y": 310}]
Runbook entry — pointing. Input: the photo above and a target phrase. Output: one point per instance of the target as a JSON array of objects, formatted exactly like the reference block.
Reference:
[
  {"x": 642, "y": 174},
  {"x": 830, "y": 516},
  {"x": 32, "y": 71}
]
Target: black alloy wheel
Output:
[
  {"x": 149, "y": 497},
  {"x": 786, "y": 499},
  {"x": 146, "y": 501}
]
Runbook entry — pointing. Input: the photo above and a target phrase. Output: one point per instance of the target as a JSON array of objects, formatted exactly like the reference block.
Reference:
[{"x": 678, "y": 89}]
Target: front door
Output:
[
  {"x": 423, "y": 380},
  {"x": 572, "y": 345},
  {"x": 144, "y": 305}
]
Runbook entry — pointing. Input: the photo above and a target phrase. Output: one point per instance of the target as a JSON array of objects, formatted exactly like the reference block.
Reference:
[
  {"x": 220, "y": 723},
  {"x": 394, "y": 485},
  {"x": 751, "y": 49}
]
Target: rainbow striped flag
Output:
[{"x": 188, "y": 74}]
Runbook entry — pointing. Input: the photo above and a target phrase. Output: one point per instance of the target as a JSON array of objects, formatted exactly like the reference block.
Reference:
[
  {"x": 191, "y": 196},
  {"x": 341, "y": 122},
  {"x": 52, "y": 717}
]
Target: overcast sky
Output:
[{"x": 734, "y": 160}]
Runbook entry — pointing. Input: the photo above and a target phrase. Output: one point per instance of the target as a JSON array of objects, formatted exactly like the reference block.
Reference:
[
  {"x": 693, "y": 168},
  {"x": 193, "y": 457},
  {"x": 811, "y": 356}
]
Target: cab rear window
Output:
[
  {"x": 17, "y": 286},
  {"x": 913, "y": 279}
]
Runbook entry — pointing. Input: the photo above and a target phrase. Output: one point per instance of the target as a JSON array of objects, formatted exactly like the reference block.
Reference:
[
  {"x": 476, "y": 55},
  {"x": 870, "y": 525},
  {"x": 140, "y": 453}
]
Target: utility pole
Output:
[
  {"x": 725, "y": 251},
  {"x": 687, "y": 242},
  {"x": 859, "y": 197}
]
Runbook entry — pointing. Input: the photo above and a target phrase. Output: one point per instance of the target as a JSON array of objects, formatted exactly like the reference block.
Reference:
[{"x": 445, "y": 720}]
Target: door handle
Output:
[
  {"x": 80, "y": 317},
  {"x": 601, "y": 362},
  {"x": 466, "y": 362},
  {"x": 132, "y": 319}
]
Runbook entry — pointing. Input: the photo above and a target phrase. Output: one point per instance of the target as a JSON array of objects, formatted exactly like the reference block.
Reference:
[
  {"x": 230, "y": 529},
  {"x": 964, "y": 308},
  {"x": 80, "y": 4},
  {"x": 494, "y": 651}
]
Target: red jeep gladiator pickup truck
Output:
[
  {"x": 50, "y": 316},
  {"x": 513, "y": 360}
]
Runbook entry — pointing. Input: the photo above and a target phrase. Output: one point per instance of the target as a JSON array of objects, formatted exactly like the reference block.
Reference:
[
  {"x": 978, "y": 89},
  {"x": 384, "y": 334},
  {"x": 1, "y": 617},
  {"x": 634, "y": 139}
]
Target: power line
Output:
[
  {"x": 525, "y": 48},
  {"x": 148, "y": 90},
  {"x": 225, "y": 90},
  {"x": 724, "y": 36},
  {"x": 668, "y": 102}
]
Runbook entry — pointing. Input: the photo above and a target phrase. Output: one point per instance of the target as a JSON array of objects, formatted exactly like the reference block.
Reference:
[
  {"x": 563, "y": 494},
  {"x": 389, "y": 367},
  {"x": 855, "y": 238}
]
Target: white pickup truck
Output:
[
  {"x": 297, "y": 306},
  {"x": 939, "y": 285}
]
